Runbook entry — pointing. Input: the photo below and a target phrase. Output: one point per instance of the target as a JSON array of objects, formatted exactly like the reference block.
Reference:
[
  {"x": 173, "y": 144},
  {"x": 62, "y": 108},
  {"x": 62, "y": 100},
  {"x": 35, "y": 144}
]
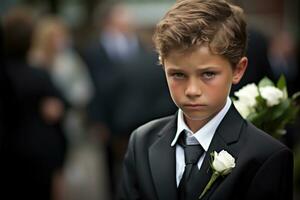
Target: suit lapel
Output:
[
  {"x": 226, "y": 135},
  {"x": 163, "y": 162}
]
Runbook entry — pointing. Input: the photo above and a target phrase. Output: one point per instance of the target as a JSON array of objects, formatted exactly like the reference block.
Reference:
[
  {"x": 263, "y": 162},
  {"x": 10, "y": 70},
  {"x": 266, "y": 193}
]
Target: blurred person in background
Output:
[
  {"x": 116, "y": 43},
  {"x": 34, "y": 146},
  {"x": 127, "y": 80},
  {"x": 282, "y": 54},
  {"x": 52, "y": 49},
  {"x": 283, "y": 59}
]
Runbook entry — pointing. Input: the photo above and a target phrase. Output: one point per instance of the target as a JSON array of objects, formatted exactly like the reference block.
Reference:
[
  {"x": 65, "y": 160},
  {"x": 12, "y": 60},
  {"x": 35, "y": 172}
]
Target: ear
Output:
[{"x": 239, "y": 70}]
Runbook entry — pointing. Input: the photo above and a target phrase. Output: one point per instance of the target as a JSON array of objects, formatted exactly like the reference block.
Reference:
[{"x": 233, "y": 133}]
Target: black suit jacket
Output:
[{"x": 264, "y": 166}]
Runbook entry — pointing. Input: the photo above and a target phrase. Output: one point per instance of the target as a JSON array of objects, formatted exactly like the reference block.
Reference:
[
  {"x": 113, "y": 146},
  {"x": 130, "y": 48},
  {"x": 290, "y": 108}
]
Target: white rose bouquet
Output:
[{"x": 268, "y": 106}]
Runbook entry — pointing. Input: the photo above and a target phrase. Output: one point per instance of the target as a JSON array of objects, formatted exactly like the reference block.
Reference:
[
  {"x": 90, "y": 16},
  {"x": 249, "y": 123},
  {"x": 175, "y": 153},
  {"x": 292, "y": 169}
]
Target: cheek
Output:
[
  {"x": 218, "y": 91},
  {"x": 175, "y": 90}
]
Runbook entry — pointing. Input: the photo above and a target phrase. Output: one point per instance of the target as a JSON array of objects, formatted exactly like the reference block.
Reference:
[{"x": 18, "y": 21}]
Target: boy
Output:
[{"x": 201, "y": 45}]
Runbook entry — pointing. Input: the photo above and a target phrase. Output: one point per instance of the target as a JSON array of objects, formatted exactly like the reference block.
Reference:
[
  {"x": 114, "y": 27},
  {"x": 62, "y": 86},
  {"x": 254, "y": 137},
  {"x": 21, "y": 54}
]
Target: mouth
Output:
[{"x": 194, "y": 106}]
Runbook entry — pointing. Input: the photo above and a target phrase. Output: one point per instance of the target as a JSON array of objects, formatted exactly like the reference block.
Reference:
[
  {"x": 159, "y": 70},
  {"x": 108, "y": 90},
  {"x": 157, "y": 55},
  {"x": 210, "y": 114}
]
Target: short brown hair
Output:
[{"x": 193, "y": 23}]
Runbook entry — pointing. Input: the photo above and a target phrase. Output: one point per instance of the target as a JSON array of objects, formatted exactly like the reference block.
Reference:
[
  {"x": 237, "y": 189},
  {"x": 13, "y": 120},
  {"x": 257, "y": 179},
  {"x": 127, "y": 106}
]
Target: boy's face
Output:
[{"x": 199, "y": 83}]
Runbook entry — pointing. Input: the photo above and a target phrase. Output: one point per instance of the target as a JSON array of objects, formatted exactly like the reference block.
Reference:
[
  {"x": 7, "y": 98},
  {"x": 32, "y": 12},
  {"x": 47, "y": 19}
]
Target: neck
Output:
[{"x": 195, "y": 125}]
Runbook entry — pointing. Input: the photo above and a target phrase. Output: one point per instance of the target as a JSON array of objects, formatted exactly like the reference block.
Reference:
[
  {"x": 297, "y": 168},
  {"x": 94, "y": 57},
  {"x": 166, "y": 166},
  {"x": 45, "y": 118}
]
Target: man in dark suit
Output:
[
  {"x": 202, "y": 49},
  {"x": 115, "y": 46}
]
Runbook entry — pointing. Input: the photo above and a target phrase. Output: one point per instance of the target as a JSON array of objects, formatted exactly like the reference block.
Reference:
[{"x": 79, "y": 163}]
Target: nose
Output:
[{"x": 193, "y": 89}]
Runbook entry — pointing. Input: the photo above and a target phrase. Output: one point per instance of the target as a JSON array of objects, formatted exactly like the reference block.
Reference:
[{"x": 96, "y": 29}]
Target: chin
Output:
[{"x": 197, "y": 117}]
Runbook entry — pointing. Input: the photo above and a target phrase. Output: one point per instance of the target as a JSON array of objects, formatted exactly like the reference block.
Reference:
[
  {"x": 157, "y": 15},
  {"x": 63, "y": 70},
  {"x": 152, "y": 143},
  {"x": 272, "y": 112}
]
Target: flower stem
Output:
[{"x": 211, "y": 181}]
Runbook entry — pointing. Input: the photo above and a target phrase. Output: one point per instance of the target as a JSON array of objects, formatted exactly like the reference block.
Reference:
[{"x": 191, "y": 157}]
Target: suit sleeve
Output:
[
  {"x": 274, "y": 179},
  {"x": 128, "y": 189}
]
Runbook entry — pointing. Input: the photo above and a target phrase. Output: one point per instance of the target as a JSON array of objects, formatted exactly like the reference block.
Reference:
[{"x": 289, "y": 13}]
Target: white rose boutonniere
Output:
[{"x": 222, "y": 164}]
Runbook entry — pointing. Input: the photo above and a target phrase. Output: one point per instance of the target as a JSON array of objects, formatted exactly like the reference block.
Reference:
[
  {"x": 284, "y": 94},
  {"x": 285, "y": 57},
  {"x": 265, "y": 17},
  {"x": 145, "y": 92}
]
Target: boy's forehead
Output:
[
  {"x": 202, "y": 49},
  {"x": 199, "y": 56}
]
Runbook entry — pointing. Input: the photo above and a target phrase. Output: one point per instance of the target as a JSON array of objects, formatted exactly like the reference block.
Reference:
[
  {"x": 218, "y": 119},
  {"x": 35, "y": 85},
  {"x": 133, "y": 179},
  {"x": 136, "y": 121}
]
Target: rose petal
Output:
[
  {"x": 218, "y": 165},
  {"x": 223, "y": 162}
]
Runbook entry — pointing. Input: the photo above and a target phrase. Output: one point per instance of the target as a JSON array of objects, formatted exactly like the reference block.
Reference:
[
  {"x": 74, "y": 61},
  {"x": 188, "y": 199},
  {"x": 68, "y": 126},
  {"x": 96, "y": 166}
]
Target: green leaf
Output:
[
  {"x": 233, "y": 98},
  {"x": 265, "y": 82},
  {"x": 279, "y": 109},
  {"x": 260, "y": 103},
  {"x": 281, "y": 83},
  {"x": 258, "y": 118}
]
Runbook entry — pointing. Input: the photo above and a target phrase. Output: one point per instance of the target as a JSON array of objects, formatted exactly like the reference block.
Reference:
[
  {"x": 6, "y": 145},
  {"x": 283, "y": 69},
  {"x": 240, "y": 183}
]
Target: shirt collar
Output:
[{"x": 206, "y": 133}]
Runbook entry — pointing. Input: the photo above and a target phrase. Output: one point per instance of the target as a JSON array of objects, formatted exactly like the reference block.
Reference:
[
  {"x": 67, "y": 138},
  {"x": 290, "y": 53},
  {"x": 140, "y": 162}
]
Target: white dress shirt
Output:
[{"x": 203, "y": 136}]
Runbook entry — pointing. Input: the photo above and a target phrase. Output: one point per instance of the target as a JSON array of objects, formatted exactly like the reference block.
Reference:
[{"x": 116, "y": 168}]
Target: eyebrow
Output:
[{"x": 176, "y": 69}]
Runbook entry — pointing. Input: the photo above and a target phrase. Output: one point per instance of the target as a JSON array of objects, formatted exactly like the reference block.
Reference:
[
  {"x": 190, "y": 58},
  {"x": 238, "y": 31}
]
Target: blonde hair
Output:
[
  {"x": 47, "y": 31},
  {"x": 193, "y": 23}
]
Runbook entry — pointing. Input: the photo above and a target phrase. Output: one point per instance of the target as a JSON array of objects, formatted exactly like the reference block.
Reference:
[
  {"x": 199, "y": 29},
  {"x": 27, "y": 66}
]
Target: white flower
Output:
[
  {"x": 243, "y": 108},
  {"x": 223, "y": 162},
  {"x": 248, "y": 94},
  {"x": 271, "y": 94}
]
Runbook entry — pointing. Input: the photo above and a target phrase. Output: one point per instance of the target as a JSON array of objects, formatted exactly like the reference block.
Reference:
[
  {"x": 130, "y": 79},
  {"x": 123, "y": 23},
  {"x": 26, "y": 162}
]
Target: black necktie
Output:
[{"x": 192, "y": 153}]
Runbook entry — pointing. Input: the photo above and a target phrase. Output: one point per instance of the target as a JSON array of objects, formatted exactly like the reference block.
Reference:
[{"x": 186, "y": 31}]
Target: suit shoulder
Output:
[
  {"x": 154, "y": 124},
  {"x": 263, "y": 143},
  {"x": 152, "y": 128}
]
